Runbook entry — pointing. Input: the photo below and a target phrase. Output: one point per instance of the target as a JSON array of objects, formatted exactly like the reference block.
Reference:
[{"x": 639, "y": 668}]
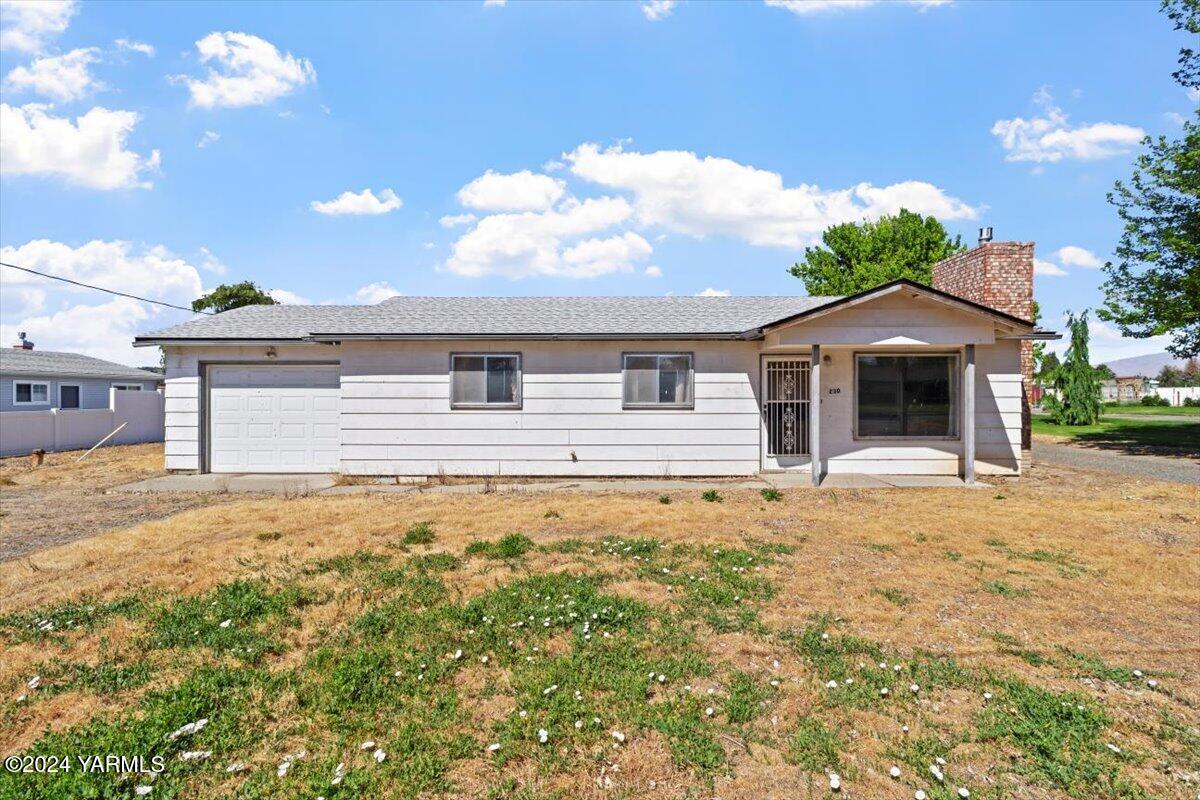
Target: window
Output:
[
  {"x": 909, "y": 397},
  {"x": 68, "y": 395},
  {"x": 128, "y": 387},
  {"x": 657, "y": 380},
  {"x": 28, "y": 393},
  {"x": 491, "y": 380}
]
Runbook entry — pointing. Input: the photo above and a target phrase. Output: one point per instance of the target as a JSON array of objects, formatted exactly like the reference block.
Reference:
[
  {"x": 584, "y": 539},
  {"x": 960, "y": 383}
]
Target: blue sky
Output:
[{"x": 549, "y": 148}]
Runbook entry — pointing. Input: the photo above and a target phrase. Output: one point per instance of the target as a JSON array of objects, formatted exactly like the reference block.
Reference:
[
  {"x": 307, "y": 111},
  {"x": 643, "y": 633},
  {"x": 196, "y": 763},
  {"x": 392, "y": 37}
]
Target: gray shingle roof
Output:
[
  {"x": 49, "y": 363},
  {"x": 498, "y": 316}
]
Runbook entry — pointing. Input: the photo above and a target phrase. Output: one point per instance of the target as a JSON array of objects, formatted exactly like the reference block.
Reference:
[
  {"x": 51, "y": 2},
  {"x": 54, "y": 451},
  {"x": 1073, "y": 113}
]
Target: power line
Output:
[{"x": 101, "y": 288}]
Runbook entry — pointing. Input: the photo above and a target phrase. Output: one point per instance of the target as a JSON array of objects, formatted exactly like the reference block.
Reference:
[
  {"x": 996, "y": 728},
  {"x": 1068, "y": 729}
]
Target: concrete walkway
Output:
[{"x": 328, "y": 484}]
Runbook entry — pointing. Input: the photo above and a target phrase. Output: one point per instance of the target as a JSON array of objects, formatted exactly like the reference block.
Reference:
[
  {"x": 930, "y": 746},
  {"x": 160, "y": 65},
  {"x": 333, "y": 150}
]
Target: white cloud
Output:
[
  {"x": 803, "y": 7},
  {"x": 250, "y": 71},
  {"x": 494, "y": 3},
  {"x": 375, "y": 293},
  {"x": 653, "y": 271},
  {"x": 520, "y": 191},
  {"x": 64, "y": 78},
  {"x": 711, "y": 292},
  {"x": 90, "y": 152},
  {"x": 550, "y": 243},
  {"x": 364, "y": 202},
  {"x": 209, "y": 137},
  {"x": 454, "y": 220},
  {"x": 1175, "y": 118},
  {"x": 658, "y": 9},
  {"x": 288, "y": 298},
  {"x": 135, "y": 47},
  {"x": 27, "y": 25},
  {"x": 684, "y": 193},
  {"x": 84, "y": 320},
  {"x": 1051, "y": 138},
  {"x": 1047, "y": 268},
  {"x": 1078, "y": 257},
  {"x": 1193, "y": 93}
]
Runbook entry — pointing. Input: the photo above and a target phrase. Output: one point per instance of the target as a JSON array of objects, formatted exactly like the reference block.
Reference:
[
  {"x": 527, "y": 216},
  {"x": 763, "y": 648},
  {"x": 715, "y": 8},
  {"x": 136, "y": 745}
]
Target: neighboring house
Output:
[
  {"x": 903, "y": 378},
  {"x": 1127, "y": 389},
  {"x": 38, "y": 380}
]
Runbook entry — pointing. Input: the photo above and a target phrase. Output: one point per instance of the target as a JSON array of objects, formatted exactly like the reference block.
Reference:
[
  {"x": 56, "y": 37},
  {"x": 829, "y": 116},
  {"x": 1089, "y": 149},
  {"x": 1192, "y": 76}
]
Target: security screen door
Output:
[{"x": 785, "y": 407}]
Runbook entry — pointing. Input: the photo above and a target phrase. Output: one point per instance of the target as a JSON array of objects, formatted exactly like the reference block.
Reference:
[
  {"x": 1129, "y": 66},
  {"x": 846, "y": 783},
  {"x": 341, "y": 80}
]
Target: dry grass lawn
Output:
[{"x": 345, "y": 618}]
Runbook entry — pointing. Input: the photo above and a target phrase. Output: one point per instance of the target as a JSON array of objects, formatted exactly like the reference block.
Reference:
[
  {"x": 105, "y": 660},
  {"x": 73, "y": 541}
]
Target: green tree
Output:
[
  {"x": 860, "y": 256},
  {"x": 1076, "y": 399},
  {"x": 1154, "y": 287},
  {"x": 233, "y": 295},
  {"x": 1046, "y": 368},
  {"x": 1104, "y": 373}
]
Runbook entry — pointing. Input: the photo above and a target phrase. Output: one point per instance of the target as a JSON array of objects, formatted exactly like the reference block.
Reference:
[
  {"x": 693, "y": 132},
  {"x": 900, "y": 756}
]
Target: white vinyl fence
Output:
[
  {"x": 77, "y": 429},
  {"x": 1175, "y": 395}
]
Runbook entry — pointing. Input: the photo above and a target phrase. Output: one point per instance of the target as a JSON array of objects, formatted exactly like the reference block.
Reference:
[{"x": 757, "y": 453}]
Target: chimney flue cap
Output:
[{"x": 985, "y": 235}]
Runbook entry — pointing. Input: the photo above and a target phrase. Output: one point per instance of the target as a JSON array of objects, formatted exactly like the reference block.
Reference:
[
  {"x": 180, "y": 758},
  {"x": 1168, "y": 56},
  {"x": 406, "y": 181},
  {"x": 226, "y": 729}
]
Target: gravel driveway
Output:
[{"x": 1162, "y": 468}]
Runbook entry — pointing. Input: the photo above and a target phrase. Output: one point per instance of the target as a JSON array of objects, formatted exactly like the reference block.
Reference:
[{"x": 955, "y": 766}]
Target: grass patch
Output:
[
  {"x": 228, "y": 619},
  {"x": 1182, "y": 437},
  {"x": 665, "y": 499},
  {"x": 103, "y": 678},
  {"x": 772, "y": 495},
  {"x": 746, "y": 696},
  {"x": 712, "y": 496},
  {"x": 348, "y": 563},
  {"x": 1004, "y": 589},
  {"x": 80, "y": 615},
  {"x": 1058, "y": 736},
  {"x": 814, "y": 746},
  {"x": 419, "y": 533},
  {"x": 894, "y": 596},
  {"x": 1094, "y": 667},
  {"x": 509, "y": 547}
]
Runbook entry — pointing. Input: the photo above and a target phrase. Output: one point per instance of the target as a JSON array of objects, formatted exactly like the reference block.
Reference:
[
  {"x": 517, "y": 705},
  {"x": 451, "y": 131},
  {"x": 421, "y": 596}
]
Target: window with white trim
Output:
[
  {"x": 128, "y": 387},
  {"x": 906, "y": 396},
  {"x": 31, "y": 393},
  {"x": 657, "y": 380},
  {"x": 485, "y": 380}
]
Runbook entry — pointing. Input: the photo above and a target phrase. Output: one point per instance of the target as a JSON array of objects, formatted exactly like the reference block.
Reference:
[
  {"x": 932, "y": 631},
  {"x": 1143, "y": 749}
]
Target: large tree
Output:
[
  {"x": 860, "y": 256},
  {"x": 233, "y": 295},
  {"x": 1076, "y": 396},
  {"x": 1154, "y": 286}
]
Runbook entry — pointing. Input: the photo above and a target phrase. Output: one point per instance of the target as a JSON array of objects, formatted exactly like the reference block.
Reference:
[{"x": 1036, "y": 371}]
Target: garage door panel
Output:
[{"x": 275, "y": 419}]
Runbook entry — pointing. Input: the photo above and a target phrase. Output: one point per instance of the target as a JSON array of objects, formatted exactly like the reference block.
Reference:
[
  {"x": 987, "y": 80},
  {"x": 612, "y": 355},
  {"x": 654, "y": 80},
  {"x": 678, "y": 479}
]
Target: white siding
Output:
[{"x": 397, "y": 420}]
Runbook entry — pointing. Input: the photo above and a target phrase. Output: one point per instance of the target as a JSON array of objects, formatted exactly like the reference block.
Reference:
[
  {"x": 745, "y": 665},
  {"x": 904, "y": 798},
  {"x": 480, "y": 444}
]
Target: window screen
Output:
[
  {"x": 658, "y": 379},
  {"x": 907, "y": 396},
  {"x": 485, "y": 380}
]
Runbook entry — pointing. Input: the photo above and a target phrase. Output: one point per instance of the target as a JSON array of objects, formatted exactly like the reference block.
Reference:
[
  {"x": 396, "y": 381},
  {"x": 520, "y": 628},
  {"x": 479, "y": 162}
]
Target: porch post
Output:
[
  {"x": 968, "y": 433},
  {"x": 814, "y": 414}
]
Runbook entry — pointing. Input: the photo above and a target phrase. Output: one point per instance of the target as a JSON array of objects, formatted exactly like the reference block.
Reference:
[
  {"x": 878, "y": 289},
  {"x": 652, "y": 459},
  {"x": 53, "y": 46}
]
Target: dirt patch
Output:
[{"x": 62, "y": 500}]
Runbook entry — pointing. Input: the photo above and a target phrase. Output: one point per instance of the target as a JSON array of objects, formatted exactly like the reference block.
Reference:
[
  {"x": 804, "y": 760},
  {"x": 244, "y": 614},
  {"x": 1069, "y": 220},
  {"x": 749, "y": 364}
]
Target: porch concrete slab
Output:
[
  {"x": 853, "y": 480},
  {"x": 210, "y": 483}
]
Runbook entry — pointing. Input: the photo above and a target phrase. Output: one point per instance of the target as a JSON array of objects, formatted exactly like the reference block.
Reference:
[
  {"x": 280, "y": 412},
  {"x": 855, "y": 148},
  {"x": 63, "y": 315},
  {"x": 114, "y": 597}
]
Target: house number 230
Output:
[{"x": 835, "y": 390}]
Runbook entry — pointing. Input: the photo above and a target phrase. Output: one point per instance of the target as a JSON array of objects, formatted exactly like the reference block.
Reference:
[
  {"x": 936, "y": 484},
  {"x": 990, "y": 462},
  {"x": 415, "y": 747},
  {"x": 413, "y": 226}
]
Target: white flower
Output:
[
  {"x": 237, "y": 766},
  {"x": 620, "y": 737},
  {"x": 1153, "y": 684},
  {"x": 338, "y": 773},
  {"x": 195, "y": 755},
  {"x": 1113, "y": 747},
  {"x": 831, "y": 685},
  {"x": 379, "y": 756},
  {"x": 34, "y": 682},
  {"x": 141, "y": 790},
  {"x": 457, "y": 654},
  {"x": 987, "y": 696},
  {"x": 964, "y": 792},
  {"x": 914, "y": 688},
  {"x": 367, "y": 745},
  {"x": 708, "y": 712},
  {"x": 187, "y": 730},
  {"x": 920, "y": 795},
  {"x": 936, "y": 773},
  {"x": 543, "y": 735},
  {"x": 835, "y": 781},
  {"x": 662, "y": 678},
  {"x": 226, "y": 623},
  {"x": 894, "y": 772},
  {"x": 578, "y": 724},
  {"x": 883, "y": 692}
]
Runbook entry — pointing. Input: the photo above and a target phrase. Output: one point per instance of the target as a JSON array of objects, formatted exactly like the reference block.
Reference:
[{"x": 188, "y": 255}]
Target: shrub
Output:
[
  {"x": 514, "y": 545},
  {"x": 1191, "y": 402},
  {"x": 1154, "y": 400},
  {"x": 772, "y": 495},
  {"x": 712, "y": 496},
  {"x": 664, "y": 499}
]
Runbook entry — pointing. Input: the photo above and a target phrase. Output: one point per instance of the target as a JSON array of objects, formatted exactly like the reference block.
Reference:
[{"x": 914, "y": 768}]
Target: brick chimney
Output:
[
  {"x": 22, "y": 343},
  {"x": 998, "y": 275}
]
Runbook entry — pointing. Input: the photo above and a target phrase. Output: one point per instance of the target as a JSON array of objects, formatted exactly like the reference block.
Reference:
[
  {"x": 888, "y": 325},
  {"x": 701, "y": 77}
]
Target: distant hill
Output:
[{"x": 1149, "y": 365}]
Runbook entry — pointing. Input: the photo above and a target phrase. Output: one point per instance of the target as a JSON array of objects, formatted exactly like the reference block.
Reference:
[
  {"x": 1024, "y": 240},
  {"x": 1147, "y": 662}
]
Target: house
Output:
[
  {"x": 1126, "y": 389},
  {"x": 39, "y": 380},
  {"x": 903, "y": 378}
]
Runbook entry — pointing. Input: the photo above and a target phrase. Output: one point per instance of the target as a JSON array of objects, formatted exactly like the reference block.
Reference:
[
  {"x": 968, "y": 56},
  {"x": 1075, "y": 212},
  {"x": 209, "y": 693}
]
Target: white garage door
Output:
[{"x": 274, "y": 418}]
